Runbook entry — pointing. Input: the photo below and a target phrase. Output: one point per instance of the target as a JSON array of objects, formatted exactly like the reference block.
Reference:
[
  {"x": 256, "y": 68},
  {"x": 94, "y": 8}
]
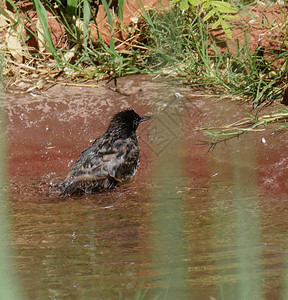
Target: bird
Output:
[{"x": 111, "y": 159}]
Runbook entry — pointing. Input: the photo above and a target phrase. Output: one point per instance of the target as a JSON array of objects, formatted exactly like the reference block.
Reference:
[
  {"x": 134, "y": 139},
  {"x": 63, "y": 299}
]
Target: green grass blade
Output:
[
  {"x": 145, "y": 14},
  {"x": 112, "y": 42},
  {"x": 86, "y": 19},
  {"x": 43, "y": 18},
  {"x": 120, "y": 9}
]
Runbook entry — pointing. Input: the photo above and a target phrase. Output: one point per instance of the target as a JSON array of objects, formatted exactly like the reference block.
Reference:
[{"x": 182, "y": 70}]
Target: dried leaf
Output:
[
  {"x": 13, "y": 42},
  {"x": 71, "y": 53},
  {"x": 7, "y": 17},
  {"x": 41, "y": 39}
]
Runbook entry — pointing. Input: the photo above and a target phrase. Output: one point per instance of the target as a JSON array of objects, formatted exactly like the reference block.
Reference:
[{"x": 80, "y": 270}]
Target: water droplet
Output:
[
  {"x": 178, "y": 95},
  {"x": 70, "y": 162}
]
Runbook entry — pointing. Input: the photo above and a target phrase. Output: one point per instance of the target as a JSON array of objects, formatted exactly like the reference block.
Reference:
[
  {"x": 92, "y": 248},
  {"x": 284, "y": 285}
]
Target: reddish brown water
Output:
[{"x": 191, "y": 224}]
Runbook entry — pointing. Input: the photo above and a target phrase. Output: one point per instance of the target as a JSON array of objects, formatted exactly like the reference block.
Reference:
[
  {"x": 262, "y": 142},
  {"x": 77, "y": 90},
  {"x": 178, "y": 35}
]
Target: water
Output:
[{"x": 191, "y": 224}]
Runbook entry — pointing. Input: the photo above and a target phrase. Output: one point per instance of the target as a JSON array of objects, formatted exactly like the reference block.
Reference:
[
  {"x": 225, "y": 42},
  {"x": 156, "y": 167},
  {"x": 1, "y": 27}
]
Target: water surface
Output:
[{"x": 191, "y": 224}]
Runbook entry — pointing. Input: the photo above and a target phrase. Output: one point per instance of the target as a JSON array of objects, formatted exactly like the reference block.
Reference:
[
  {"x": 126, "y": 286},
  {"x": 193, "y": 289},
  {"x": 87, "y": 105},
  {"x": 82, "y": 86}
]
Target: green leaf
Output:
[
  {"x": 227, "y": 10},
  {"x": 224, "y": 25},
  {"x": 216, "y": 24},
  {"x": 228, "y": 32},
  {"x": 71, "y": 7},
  {"x": 210, "y": 14},
  {"x": 175, "y": 1},
  {"x": 206, "y": 4},
  {"x": 184, "y": 4},
  {"x": 224, "y": 7},
  {"x": 229, "y": 16},
  {"x": 195, "y": 2},
  {"x": 220, "y": 3}
]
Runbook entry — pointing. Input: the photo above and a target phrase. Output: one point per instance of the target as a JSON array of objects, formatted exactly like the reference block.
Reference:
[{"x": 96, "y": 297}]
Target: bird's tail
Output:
[
  {"x": 88, "y": 184},
  {"x": 70, "y": 188}
]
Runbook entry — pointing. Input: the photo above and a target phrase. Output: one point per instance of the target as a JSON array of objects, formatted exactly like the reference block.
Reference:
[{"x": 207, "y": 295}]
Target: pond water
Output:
[{"x": 191, "y": 224}]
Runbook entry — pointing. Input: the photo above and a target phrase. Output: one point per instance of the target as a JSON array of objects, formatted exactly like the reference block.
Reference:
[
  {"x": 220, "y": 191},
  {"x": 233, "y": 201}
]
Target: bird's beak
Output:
[{"x": 145, "y": 118}]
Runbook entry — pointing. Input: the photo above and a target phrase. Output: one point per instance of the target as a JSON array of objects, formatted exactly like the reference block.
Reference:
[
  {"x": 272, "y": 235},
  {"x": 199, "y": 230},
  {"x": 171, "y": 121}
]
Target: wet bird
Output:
[{"x": 111, "y": 159}]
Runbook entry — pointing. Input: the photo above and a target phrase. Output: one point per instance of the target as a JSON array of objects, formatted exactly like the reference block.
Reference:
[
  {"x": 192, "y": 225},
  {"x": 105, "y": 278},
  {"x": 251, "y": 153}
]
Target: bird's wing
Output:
[
  {"x": 123, "y": 161},
  {"x": 89, "y": 166},
  {"x": 87, "y": 173},
  {"x": 101, "y": 163}
]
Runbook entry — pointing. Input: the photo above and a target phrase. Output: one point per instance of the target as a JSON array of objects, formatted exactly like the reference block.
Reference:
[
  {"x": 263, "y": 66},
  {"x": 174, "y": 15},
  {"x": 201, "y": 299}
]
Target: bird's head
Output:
[{"x": 126, "y": 122}]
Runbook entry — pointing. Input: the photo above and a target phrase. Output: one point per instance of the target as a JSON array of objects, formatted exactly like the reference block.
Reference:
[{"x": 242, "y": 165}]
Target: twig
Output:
[{"x": 75, "y": 84}]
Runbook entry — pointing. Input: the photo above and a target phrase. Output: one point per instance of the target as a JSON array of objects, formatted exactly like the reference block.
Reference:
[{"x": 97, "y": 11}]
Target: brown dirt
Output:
[
  {"x": 131, "y": 13},
  {"x": 263, "y": 26}
]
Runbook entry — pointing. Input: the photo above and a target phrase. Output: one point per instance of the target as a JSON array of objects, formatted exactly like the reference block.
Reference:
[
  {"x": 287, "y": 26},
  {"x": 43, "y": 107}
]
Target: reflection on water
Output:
[
  {"x": 167, "y": 220},
  {"x": 240, "y": 220},
  {"x": 192, "y": 224},
  {"x": 81, "y": 248}
]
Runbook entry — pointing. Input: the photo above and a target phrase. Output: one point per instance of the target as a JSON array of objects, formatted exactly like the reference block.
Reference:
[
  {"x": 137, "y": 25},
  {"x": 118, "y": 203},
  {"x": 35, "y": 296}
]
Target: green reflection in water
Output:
[
  {"x": 245, "y": 195},
  {"x": 284, "y": 292},
  {"x": 169, "y": 241},
  {"x": 8, "y": 283},
  {"x": 237, "y": 226}
]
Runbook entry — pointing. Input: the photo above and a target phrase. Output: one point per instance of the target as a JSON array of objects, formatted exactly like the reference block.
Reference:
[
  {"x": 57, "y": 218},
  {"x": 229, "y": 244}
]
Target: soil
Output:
[{"x": 264, "y": 28}]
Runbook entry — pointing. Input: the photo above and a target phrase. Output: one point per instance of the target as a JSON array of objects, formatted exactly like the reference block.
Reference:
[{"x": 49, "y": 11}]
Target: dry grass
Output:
[{"x": 250, "y": 124}]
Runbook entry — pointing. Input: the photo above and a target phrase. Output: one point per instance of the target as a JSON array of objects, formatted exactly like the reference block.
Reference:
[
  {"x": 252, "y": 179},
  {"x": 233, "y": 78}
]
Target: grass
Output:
[
  {"x": 170, "y": 39},
  {"x": 249, "y": 124},
  {"x": 170, "y": 42}
]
